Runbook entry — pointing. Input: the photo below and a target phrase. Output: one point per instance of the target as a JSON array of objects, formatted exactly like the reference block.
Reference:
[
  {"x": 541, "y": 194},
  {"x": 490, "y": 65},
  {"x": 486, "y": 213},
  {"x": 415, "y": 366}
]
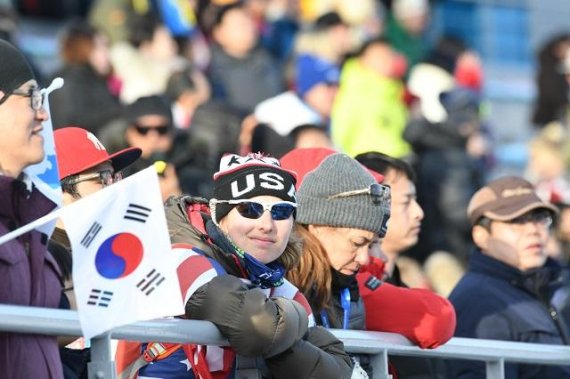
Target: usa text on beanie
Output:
[{"x": 244, "y": 177}]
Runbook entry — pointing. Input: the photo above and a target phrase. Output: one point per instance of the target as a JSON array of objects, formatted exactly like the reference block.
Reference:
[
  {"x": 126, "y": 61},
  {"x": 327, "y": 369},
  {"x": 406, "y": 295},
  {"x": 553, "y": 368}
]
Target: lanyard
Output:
[{"x": 345, "y": 304}]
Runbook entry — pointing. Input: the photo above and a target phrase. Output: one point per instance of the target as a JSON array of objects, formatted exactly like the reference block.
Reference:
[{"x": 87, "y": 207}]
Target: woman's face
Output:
[
  {"x": 263, "y": 238},
  {"x": 347, "y": 249}
]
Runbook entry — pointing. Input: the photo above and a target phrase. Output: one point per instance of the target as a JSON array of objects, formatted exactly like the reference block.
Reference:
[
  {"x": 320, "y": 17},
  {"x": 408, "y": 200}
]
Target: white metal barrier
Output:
[{"x": 376, "y": 344}]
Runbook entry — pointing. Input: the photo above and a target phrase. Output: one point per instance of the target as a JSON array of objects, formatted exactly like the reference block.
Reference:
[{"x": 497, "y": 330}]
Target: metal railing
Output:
[{"x": 376, "y": 344}]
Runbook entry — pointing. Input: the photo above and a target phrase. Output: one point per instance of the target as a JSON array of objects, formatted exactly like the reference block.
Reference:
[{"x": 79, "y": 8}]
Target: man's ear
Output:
[{"x": 480, "y": 236}]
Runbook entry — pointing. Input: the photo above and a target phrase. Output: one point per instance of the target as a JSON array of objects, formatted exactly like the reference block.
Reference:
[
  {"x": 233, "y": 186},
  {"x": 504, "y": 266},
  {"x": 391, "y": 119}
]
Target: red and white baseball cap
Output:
[{"x": 78, "y": 150}]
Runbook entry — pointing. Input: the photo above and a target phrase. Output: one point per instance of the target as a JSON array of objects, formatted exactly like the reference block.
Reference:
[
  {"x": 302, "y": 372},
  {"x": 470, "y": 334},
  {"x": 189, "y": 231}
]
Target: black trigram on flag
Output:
[
  {"x": 100, "y": 298},
  {"x": 137, "y": 213},
  {"x": 91, "y": 234},
  {"x": 150, "y": 282}
]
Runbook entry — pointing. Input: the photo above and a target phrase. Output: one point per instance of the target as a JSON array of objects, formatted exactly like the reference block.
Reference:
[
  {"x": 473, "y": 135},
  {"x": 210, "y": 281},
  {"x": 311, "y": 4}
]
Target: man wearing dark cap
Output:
[
  {"x": 507, "y": 292},
  {"x": 29, "y": 274},
  {"x": 175, "y": 153}
]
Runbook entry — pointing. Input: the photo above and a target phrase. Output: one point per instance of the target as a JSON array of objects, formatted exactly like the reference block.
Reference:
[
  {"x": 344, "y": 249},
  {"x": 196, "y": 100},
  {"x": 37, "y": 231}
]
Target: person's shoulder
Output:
[
  {"x": 474, "y": 284},
  {"x": 182, "y": 215}
]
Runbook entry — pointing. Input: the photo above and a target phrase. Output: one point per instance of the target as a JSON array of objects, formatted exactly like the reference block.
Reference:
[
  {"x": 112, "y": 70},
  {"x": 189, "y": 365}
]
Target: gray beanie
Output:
[{"x": 324, "y": 197}]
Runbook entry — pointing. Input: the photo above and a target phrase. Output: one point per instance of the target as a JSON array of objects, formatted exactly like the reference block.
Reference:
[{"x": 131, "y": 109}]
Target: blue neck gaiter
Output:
[{"x": 260, "y": 274}]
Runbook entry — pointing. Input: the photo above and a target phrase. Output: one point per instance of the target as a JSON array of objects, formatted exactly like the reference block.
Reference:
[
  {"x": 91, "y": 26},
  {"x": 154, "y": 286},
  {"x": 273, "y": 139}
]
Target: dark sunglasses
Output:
[
  {"x": 280, "y": 210},
  {"x": 162, "y": 130},
  {"x": 35, "y": 94}
]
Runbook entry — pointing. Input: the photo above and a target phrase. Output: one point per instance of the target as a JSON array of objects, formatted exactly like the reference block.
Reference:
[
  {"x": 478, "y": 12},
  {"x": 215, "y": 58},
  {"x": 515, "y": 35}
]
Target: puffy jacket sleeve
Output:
[
  {"x": 254, "y": 324},
  {"x": 425, "y": 318},
  {"x": 318, "y": 355}
]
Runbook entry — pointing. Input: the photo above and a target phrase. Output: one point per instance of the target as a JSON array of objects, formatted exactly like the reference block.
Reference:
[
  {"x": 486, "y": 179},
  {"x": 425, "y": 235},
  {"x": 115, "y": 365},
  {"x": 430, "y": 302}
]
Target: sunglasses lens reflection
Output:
[
  {"x": 254, "y": 210},
  {"x": 282, "y": 211},
  {"x": 250, "y": 210}
]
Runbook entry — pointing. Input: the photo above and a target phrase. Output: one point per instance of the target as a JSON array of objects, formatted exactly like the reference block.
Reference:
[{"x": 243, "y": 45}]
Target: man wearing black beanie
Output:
[{"x": 29, "y": 273}]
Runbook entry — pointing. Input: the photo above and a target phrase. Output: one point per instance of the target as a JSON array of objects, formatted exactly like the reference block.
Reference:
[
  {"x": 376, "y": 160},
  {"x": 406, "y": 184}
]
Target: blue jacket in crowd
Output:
[{"x": 497, "y": 301}]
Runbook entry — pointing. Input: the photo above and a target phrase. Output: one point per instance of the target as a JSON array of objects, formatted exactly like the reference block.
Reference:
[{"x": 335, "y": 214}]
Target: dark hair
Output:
[
  {"x": 446, "y": 52},
  {"x": 298, "y": 130},
  {"x": 383, "y": 163},
  {"x": 178, "y": 83},
  {"x": 484, "y": 222},
  {"x": 221, "y": 13},
  {"x": 148, "y": 105},
  {"x": 68, "y": 185},
  {"x": 142, "y": 28},
  {"x": 77, "y": 42},
  {"x": 552, "y": 98},
  {"x": 328, "y": 20}
]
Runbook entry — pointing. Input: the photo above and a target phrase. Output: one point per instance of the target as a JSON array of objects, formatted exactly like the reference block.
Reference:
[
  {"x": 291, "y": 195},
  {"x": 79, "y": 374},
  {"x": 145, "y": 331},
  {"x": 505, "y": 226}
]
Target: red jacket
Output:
[{"x": 425, "y": 318}]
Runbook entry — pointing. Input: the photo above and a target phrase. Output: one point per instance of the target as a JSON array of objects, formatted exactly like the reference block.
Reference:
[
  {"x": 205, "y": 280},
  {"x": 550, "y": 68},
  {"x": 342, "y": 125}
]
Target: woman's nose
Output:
[{"x": 362, "y": 257}]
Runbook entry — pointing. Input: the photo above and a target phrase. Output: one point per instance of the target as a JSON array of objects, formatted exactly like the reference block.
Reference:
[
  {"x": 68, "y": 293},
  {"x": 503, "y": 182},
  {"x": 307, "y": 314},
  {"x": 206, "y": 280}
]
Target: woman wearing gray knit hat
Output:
[{"x": 342, "y": 215}]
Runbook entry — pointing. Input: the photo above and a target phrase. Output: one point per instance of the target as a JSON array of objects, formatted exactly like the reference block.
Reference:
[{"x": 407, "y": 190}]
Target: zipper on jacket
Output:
[
  {"x": 553, "y": 312},
  {"x": 27, "y": 248}
]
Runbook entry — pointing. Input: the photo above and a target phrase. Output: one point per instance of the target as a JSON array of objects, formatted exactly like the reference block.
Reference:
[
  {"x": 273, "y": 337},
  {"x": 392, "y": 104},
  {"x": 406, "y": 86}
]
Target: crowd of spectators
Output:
[{"x": 363, "y": 154}]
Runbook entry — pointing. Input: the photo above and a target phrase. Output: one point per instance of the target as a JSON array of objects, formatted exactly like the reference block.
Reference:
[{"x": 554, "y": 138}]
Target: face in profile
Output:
[
  {"x": 264, "y": 238},
  {"x": 21, "y": 144},
  {"x": 96, "y": 183},
  {"x": 405, "y": 215},
  {"x": 347, "y": 249}
]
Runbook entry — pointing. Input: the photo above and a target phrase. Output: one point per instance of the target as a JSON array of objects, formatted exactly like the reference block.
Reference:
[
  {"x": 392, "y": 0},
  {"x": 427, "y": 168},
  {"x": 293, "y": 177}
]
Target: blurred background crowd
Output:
[{"x": 463, "y": 90}]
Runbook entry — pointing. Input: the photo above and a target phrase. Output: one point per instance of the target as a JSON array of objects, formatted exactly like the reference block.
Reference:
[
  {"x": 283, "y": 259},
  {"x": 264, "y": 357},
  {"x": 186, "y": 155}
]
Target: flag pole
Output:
[
  {"x": 57, "y": 213},
  {"x": 32, "y": 225}
]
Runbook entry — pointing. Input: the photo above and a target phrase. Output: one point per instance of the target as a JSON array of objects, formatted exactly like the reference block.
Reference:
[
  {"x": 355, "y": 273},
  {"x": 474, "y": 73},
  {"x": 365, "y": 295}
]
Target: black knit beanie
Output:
[
  {"x": 244, "y": 177},
  {"x": 14, "y": 68}
]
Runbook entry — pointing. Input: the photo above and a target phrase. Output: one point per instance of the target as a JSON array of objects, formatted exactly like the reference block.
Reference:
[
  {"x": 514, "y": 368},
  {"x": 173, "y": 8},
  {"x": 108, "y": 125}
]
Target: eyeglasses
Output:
[
  {"x": 280, "y": 210},
  {"x": 380, "y": 194},
  {"x": 162, "y": 130},
  {"x": 35, "y": 94},
  {"x": 106, "y": 177},
  {"x": 543, "y": 218}
]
